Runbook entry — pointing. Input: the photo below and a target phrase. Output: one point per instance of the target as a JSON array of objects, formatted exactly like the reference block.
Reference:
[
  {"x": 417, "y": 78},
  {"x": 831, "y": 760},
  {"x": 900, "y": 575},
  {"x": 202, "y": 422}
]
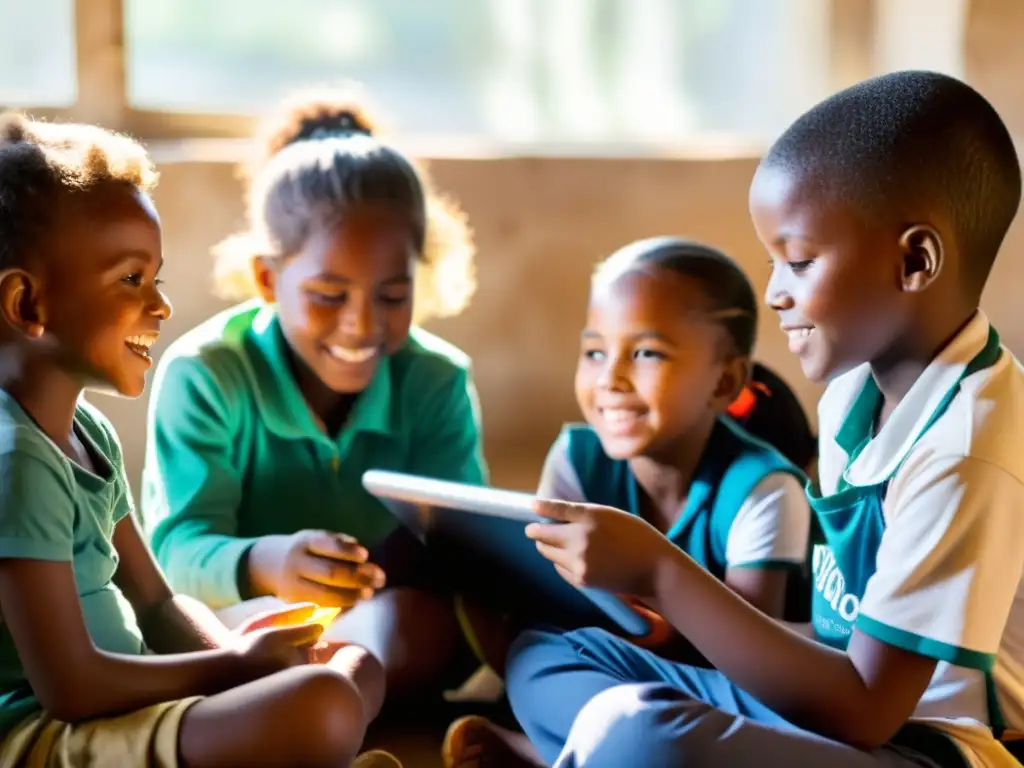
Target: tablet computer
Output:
[{"x": 475, "y": 536}]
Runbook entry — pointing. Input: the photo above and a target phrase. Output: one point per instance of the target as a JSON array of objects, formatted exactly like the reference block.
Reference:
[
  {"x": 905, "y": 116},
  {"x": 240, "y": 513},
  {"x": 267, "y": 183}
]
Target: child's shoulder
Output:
[
  {"x": 19, "y": 436},
  {"x": 425, "y": 357}
]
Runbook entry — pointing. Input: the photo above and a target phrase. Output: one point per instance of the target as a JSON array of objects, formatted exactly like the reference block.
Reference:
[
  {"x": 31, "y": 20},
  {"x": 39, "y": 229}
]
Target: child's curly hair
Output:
[
  {"x": 318, "y": 156},
  {"x": 40, "y": 162}
]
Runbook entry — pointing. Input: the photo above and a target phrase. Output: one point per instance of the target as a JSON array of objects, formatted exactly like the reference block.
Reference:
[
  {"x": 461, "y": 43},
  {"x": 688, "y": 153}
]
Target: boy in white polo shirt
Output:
[{"x": 883, "y": 209}]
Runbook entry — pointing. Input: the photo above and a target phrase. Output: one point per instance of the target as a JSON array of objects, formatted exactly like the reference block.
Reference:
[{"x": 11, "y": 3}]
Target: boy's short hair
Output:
[
  {"x": 920, "y": 138},
  {"x": 42, "y": 162}
]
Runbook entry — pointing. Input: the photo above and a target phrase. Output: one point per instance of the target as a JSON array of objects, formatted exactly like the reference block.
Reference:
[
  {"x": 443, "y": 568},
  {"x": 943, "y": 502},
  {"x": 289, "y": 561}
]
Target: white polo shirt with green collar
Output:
[
  {"x": 946, "y": 578},
  {"x": 234, "y": 453}
]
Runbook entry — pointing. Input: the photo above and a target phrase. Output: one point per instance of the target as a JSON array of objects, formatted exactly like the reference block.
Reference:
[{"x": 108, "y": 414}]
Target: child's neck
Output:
[
  {"x": 48, "y": 396},
  {"x": 665, "y": 478},
  {"x": 896, "y": 371}
]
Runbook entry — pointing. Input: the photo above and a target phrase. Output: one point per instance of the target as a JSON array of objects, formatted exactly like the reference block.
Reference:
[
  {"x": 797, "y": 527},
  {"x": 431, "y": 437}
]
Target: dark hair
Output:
[
  {"x": 41, "y": 162},
  {"x": 731, "y": 298},
  {"x": 768, "y": 409},
  {"x": 917, "y": 139},
  {"x": 319, "y": 155}
]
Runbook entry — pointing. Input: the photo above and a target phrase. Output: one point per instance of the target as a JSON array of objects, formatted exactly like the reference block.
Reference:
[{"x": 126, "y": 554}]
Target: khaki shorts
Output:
[{"x": 147, "y": 738}]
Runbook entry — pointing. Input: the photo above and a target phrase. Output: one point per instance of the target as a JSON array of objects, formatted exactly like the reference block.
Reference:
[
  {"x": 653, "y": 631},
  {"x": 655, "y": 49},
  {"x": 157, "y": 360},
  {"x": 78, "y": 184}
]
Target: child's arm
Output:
[
  {"x": 75, "y": 681},
  {"x": 446, "y": 442},
  {"x": 170, "y": 623},
  {"x": 942, "y": 566},
  {"x": 191, "y": 487},
  {"x": 767, "y": 542}
]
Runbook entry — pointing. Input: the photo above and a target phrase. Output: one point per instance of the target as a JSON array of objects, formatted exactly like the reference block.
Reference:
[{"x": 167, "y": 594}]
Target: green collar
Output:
[{"x": 283, "y": 407}]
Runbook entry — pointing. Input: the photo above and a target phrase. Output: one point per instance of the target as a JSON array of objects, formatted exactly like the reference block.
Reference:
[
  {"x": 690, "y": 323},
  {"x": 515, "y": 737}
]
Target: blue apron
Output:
[{"x": 852, "y": 521}]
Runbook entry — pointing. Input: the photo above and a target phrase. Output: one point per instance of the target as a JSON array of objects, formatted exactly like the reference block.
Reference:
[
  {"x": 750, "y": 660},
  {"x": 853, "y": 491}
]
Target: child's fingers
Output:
[
  {"x": 555, "y": 535},
  {"x": 556, "y": 555},
  {"x": 341, "y": 575},
  {"x": 336, "y": 546},
  {"x": 300, "y": 635},
  {"x": 559, "y": 511}
]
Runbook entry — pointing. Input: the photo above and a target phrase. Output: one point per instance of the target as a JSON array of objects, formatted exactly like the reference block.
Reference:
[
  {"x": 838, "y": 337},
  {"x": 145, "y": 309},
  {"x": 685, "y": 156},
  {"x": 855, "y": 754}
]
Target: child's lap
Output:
[
  {"x": 147, "y": 738},
  {"x": 556, "y": 677}
]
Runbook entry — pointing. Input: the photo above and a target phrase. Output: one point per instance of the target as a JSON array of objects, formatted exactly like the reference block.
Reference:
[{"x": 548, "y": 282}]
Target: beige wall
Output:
[{"x": 541, "y": 224}]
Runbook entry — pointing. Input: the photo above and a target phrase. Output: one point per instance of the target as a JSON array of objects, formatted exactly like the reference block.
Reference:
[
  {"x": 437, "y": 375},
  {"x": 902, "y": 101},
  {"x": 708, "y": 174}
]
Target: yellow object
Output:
[
  {"x": 324, "y": 616},
  {"x": 147, "y": 738}
]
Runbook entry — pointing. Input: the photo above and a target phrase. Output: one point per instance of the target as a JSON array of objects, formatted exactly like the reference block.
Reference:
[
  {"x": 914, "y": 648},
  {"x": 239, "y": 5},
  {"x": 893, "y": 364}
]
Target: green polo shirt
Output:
[
  {"x": 54, "y": 510},
  {"x": 234, "y": 453}
]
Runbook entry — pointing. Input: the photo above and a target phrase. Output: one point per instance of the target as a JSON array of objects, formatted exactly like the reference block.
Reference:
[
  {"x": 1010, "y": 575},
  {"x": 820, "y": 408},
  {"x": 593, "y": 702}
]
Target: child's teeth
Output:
[{"x": 353, "y": 355}]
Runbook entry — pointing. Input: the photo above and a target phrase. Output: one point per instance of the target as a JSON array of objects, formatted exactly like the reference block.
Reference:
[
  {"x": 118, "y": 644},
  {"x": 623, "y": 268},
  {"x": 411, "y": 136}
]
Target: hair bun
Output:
[
  {"x": 342, "y": 123},
  {"x": 313, "y": 115}
]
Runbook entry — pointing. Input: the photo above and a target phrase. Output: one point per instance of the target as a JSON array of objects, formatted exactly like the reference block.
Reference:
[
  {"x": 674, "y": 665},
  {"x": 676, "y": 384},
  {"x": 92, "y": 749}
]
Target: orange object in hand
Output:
[{"x": 324, "y": 616}]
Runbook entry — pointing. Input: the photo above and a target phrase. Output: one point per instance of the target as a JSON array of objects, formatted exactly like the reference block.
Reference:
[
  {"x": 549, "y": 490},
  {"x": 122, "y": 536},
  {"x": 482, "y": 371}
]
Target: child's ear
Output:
[
  {"x": 265, "y": 278},
  {"x": 735, "y": 376},
  {"x": 923, "y": 254},
  {"x": 20, "y": 303}
]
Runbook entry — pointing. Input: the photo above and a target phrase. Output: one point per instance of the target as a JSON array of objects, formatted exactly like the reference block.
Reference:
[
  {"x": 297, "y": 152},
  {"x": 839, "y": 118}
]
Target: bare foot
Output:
[{"x": 476, "y": 742}]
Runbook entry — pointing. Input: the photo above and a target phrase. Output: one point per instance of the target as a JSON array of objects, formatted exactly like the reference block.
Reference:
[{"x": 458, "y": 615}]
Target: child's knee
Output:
[
  {"x": 636, "y": 724},
  {"x": 332, "y": 721}
]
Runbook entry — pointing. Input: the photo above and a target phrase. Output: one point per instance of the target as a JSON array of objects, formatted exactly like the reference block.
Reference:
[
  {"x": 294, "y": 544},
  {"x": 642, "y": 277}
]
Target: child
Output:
[
  {"x": 84, "y": 605},
  {"x": 666, "y": 349},
  {"x": 883, "y": 209},
  {"x": 264, "y": 418}
]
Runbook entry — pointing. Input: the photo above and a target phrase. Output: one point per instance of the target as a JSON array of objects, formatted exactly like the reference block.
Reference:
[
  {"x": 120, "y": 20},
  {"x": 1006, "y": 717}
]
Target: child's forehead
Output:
[
  {"x": 787, "y": 205},
  {"x": 648, "y": 295},
  {"x": 106, "y": 222}
]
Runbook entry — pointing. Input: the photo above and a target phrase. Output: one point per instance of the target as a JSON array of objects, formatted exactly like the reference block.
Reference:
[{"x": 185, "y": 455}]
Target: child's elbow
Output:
[{"x": 67, "y": 705}]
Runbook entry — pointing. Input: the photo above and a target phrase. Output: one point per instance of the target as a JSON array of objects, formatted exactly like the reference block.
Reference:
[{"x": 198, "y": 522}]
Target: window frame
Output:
[{"x": 102, "y": 95}]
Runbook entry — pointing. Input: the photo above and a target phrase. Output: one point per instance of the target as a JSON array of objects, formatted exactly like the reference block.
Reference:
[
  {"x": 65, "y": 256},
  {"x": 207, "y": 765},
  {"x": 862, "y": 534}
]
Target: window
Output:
[
  {"x": 37, "y": 53},
  {"x": 533, "y": 71}
]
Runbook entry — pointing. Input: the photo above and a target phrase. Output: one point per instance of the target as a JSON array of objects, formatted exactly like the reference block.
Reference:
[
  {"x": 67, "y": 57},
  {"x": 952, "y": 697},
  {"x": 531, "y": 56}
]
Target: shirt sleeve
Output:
[
  {"x": 446, "y": 442},
  {"x": 191, "y": 490},
  {"x": 558, "y": 478},
  {"x": 37, "y": 510},
  {"x": 949, "y": 562},
  {"x": 773, "y": 525}
]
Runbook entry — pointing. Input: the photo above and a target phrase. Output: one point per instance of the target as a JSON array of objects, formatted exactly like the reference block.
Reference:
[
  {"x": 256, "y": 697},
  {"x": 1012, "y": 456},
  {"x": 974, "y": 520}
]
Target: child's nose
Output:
[{"x": 775, "y": 295}]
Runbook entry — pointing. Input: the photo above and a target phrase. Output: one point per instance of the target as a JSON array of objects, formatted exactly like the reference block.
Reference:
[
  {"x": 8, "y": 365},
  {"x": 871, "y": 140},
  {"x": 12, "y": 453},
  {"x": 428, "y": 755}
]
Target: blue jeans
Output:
[{"x": 589, "y": 698}]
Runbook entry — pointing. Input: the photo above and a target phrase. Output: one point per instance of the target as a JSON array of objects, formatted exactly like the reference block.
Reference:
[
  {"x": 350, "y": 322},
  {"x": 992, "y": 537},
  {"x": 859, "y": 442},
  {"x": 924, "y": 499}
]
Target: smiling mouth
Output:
[
  {"x": 620, "y": 420},
  {"x": 140, "y": 344},
  {"x": 352, "y": 356}
]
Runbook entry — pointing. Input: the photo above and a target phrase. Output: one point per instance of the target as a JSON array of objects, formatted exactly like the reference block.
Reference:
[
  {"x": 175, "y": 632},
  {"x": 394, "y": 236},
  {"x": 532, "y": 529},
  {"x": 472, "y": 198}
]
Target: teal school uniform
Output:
[
  {"x": 235, "y": 454},
  {"x": 55, "y": 510}
]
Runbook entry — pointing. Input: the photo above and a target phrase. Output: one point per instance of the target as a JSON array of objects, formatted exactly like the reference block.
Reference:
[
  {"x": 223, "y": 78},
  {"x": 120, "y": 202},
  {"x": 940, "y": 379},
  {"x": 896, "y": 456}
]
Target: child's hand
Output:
[
  {"x": 271, "y": 650},
  {"x": 599, "y": 546},
  {"x": 320, "y": 567}
]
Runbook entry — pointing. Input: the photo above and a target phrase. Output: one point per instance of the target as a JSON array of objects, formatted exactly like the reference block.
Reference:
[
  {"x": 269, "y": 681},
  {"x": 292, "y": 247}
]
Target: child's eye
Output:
[
  {"x": 328, "y": 298},
  {"x": 800, "y": 266},
  {"x": 394, "y": 301},
  {"x": 135, "y": 278},
  {"x": 648, "y": 354},
  {"x": 595, "y": 355}
]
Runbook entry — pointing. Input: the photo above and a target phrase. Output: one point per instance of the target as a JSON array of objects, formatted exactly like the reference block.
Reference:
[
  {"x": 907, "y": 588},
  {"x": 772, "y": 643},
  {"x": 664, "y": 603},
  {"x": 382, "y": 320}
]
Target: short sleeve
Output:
[
  {"x": 37, "y": 510},
  {"x": 558, "y": 478},
  {"x": 772, "y": 527},
  {"x": 949, "y": 562},
  {"x": 446, "y": 441}
]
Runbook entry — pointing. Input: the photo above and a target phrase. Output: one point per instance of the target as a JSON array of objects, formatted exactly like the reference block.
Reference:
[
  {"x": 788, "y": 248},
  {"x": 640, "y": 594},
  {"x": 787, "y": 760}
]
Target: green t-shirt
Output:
[
  {"x": 234, "y": 452},
  {"x": 53, "y": 509}
]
